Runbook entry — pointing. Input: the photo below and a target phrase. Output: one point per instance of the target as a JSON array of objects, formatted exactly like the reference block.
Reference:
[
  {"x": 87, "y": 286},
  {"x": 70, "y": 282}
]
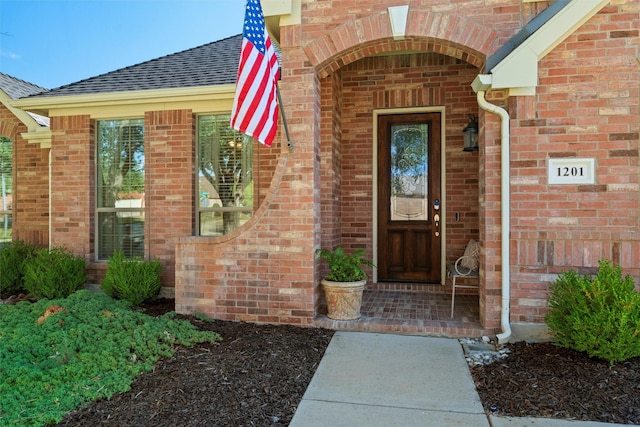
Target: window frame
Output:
[
  {"x": 199, "y": 209},
  {"x": 100, "y": 211},
  {"x": 4, "y": 213}
]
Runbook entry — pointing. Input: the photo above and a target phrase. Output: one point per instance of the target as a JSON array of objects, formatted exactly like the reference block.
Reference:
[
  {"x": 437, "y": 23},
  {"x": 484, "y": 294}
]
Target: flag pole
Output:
[{"x": 284, "y": 119}]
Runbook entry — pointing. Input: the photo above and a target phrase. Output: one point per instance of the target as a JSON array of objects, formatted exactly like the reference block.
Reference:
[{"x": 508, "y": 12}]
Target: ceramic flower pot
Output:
[{"x": 344, "y": 299}]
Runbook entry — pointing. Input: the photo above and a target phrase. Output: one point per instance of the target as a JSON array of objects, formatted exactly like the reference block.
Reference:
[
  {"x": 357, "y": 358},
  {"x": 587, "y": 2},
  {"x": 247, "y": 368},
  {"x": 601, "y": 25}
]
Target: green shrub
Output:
[
  {"x": 54, "y": 273},
  {"x": 132, "y": 280},
  {"x": 599, "y": 315},
  {"x": 13, "y": 257}
]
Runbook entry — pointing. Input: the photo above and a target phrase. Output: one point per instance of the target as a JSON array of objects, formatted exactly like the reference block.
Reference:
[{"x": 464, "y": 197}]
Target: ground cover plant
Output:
[
  {"x": 257, "y": 375},
  {"x": 60, "y": 354}
]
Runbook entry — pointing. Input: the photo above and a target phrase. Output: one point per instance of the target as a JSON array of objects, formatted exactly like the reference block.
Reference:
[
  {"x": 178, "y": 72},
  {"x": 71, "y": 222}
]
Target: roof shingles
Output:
[
  {"x": 16, "y": 88},
  {"x": 211, "y": 64}
]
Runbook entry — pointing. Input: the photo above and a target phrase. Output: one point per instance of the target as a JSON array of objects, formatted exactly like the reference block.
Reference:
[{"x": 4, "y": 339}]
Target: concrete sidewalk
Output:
[{"x": 371, "y": 380}]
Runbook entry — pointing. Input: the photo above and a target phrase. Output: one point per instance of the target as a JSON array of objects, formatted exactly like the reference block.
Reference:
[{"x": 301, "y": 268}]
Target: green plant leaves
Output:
[
  {"x": 133, "y": 280},
  {"x": 13, "y": 258},
  {"x": 599, "y": 315},
  {"x": 91, "y": 349},
  {"x": 343, "y": 267},
  {"x": 54, "y": 273}
]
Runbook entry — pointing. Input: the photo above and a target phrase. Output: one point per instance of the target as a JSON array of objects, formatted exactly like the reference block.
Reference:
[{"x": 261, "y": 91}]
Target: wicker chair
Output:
[{"x": 467, "y": 268}]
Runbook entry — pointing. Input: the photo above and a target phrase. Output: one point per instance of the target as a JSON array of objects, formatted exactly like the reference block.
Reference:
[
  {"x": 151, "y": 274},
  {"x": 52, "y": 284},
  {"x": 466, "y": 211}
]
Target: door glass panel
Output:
[{"x": 409, "y": 164}]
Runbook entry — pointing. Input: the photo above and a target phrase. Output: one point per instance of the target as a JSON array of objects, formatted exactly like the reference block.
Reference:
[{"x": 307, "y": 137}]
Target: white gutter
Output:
[
  {"x": 518, "y": 72},
  {"x": 480, "y": 85},
  {"x": 50, "y": 199}
]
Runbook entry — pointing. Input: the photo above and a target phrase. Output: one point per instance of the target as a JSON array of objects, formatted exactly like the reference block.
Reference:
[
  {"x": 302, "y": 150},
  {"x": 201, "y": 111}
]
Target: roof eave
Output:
[
  {"x": 35, "y": 132},
  {"x": 51, "y": 105},
  {"x": 518, "y": 71}
]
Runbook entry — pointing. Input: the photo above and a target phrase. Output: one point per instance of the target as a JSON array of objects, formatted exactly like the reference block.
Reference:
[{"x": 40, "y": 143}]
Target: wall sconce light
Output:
[{"x": 471, "y": 134}]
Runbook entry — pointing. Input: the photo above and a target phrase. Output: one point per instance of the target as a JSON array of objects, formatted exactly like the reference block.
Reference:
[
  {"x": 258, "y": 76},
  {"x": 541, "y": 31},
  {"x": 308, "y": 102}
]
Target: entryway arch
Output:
[
  {"x": 427, "y": 31},
  {"x": 353, "y": 63}
]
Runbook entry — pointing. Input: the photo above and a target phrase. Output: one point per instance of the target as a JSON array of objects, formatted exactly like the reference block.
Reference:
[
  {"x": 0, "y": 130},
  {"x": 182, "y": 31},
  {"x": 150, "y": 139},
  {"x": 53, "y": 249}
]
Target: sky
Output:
[{"x": 52, "y": 43}]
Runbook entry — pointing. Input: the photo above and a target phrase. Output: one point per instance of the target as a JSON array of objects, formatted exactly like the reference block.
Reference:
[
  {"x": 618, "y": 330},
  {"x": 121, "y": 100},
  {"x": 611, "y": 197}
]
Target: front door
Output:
[{"x": 409, "y": 200}]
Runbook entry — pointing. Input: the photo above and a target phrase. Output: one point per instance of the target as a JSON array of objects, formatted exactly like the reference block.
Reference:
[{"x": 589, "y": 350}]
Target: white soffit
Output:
[
  {"x": 35, "y": 132},
  {"x": 281, "y": 13},
  {"x": 288, "y": 12},
  {"x": 276, "y": 7},
  {"x": 518, "y": 71}
]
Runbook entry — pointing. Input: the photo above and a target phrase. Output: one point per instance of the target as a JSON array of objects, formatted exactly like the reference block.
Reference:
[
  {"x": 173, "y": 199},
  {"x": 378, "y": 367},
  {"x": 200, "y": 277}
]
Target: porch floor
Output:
[{"x": 412, "y": 309}]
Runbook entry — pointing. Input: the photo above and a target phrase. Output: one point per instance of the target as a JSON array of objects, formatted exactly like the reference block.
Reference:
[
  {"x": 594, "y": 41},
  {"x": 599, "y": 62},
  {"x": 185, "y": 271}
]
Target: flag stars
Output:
[{"x": 253, "y": 27}]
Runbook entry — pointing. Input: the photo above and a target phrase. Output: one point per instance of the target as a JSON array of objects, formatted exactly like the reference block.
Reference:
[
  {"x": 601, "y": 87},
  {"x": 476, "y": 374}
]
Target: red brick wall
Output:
[
  {"x": 30, "y": 210},
  {"x": 169, "y": 184},
  {"x": 262, "y": 271},
  {"x": 72, "y": 184},
  {"x": 170, "y": 192},
  {"x": 587, "y": 105},
  {"x": 266, "y": 160},
  {"x": 331, "y": 162},
  {"x": 320, "y": 65},
  {"x": 418, "y": 80},
  {"x": 265, "y": 271},
  {"x": 592, "y": 77},
  {"x": 490, "y": 216}
]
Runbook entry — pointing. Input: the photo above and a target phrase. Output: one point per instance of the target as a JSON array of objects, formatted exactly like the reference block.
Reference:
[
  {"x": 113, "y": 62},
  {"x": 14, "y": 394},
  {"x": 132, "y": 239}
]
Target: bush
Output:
[
  {"x": 13, "y": 257},
  {"x": 133, "y": 279},
  {"x": 54, "y": 273},
  {"x": 599, "y": 315}
]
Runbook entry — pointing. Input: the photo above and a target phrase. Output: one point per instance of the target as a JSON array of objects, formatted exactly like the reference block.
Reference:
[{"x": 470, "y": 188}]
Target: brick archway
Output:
[
  {"x": 426, "y": 31},
  {"x": 8, "y": 130}
]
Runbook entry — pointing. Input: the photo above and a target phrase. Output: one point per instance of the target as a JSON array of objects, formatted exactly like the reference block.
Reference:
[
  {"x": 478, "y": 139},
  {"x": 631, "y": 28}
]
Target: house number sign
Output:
[{"x": 571, "y": 171}]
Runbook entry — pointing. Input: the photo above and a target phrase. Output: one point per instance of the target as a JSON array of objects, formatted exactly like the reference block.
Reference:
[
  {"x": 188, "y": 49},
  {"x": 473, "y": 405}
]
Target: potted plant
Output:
[{"x": 345, "y": 282}]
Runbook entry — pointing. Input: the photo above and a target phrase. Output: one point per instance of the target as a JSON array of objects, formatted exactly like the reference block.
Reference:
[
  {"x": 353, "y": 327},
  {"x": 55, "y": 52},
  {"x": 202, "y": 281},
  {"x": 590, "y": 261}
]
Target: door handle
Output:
[{"x": 436, "y": 217}]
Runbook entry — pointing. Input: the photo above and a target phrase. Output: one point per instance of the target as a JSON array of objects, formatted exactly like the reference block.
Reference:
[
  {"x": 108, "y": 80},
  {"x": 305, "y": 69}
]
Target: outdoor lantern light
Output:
[{"x": 471, "y": 134}]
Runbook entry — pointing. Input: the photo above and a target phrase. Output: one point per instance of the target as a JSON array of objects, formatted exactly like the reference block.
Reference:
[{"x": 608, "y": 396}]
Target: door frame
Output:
[{"x": 443, "y": 181}]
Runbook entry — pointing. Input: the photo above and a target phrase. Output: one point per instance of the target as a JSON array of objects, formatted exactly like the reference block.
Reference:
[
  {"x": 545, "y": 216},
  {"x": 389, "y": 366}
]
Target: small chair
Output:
[{"x": 465, "y": 267}]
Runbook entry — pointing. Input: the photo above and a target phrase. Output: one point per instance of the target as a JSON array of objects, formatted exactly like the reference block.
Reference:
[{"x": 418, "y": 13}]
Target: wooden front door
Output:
[{"x": 409, "y": 214}]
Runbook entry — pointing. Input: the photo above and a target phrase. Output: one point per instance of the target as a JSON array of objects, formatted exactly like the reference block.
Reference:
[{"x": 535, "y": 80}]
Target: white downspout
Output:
[
  {"x": 506, "y": 215},
  {"x": 50, "y": 199}
]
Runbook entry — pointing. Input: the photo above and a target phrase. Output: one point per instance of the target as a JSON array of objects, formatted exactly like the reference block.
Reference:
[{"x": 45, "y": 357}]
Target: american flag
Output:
[{"x": 255, "y": 106}]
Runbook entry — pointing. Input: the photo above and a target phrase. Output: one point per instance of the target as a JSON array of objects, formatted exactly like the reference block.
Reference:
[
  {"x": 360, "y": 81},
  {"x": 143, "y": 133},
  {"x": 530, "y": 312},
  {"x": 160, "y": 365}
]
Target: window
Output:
[
  {"x": 225, "y": 176},
  {"x": 120, "y": 188},
  {"x": 6, "y": 188}
]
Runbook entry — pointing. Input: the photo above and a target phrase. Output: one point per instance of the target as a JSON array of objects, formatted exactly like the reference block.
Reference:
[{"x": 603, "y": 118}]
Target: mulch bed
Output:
[
  {"x": 542, "y": 380},
  {"x": 258, "y": 374},
  {"x": 255, "y": 377}
]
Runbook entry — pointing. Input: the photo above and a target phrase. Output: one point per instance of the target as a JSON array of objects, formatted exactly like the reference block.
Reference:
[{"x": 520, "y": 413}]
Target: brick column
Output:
[
  {"x": 72, "y": 184},
  {"x": 170, "y": 140}
]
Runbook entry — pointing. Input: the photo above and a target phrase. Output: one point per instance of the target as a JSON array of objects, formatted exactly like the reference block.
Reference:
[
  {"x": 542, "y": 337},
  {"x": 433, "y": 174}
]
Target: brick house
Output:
[
  {"x": 21, "y": 134},
  {"x": 555, "y": 87}
]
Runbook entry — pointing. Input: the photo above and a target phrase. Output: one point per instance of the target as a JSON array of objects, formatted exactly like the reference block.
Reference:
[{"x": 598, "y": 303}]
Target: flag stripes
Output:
[{"x": 255, "y": 106}]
